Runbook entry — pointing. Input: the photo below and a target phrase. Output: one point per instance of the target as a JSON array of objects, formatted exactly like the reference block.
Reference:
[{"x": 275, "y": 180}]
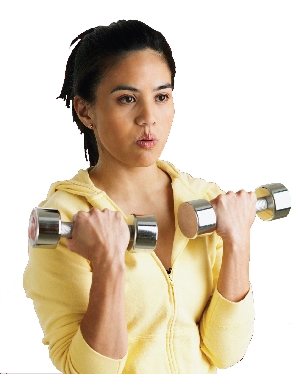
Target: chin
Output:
[
  {"x": 145, "y": 164},
  {"x": 146, "y": 160}
]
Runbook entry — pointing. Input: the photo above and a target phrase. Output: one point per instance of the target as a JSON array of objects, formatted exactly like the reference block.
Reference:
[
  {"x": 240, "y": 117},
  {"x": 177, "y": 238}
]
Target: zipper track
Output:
[{"x": 170, "y": 339}]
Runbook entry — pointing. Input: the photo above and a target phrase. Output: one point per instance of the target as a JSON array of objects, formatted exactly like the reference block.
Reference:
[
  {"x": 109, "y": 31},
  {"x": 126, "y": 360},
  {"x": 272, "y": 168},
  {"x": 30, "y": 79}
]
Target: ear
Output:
[{"x": 83, "y": 110}]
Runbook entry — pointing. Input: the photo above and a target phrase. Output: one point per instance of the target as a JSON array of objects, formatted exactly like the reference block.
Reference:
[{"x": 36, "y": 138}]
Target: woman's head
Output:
[{"x": 98, "y": 50}]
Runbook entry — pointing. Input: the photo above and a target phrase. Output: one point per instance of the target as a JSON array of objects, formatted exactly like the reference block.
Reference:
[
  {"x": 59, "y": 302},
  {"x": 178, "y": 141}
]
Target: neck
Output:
[{"x": 118, "y": 179}]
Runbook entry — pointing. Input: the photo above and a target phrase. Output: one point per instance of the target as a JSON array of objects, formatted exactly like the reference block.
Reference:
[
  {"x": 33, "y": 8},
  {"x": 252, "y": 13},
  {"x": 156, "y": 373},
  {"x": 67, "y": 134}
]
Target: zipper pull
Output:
[{"x": 169, "y": 272}]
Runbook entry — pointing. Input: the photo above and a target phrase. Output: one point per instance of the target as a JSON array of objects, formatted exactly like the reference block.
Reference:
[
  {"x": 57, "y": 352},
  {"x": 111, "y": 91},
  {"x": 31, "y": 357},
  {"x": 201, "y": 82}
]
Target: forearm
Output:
[
  {"x": 235, "y": 214},
  {"x": 233, "y": 282},
  {"x": 104, "y": 324},
  {"x": 226, "y": 329},
  {"x": 227, "y": 323}
]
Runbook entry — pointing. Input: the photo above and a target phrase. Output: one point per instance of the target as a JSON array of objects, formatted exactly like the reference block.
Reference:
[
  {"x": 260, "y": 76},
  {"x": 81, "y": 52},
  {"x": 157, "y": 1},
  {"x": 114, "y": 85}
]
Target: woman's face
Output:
[{"x": 134, "y": 110}]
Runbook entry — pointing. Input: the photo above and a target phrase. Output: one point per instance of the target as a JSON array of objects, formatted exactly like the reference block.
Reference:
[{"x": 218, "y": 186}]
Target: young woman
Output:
[{"x": 186, "y": 307}]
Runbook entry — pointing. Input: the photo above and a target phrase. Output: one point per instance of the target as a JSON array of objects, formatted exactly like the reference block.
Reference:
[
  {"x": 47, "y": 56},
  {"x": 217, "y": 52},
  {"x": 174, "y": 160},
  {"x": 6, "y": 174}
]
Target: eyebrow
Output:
[{"x": 134, "y": 89}]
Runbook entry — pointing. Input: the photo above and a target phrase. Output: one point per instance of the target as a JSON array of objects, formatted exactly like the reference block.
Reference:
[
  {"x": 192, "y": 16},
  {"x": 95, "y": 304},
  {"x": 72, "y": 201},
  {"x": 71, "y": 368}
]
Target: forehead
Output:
[{"x": 139, "y": 67}]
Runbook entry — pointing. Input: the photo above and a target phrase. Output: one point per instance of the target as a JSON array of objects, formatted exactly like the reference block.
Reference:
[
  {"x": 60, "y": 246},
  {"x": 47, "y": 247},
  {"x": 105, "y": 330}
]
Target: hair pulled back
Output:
[{"x": 98, "y": 49}]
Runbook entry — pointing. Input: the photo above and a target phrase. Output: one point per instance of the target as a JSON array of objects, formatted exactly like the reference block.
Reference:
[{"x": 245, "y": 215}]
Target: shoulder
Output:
[
  {"x": 71, "y": 195},
  {"x": 196, "y": 188}
]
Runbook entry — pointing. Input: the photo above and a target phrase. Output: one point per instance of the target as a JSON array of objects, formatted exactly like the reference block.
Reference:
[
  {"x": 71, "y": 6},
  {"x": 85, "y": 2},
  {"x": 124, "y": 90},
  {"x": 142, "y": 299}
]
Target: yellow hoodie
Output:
[{"x": 177, "y": 323}]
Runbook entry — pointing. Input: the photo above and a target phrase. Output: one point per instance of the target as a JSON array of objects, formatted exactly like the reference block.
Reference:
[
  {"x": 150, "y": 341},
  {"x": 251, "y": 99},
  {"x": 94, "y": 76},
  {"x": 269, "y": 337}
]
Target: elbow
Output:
[{"x": 225, "y": 353}]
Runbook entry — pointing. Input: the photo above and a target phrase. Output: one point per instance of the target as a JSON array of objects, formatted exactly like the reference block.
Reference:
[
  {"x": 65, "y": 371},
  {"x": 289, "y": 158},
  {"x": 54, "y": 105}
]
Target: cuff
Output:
[
  {"x": 225, "y": 313},
  {"x": 87, "y": 361}
]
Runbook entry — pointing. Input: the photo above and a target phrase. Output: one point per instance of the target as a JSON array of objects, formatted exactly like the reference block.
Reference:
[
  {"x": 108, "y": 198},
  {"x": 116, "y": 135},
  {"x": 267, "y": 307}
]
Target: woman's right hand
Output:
[{"x": 101, "y": 237}]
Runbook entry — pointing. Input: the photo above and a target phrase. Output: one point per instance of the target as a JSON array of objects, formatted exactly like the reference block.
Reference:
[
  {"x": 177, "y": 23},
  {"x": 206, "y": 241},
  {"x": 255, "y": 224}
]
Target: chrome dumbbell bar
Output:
[
  {"x": 46, "y": 228},
  {"x": 197, "y": 217}
]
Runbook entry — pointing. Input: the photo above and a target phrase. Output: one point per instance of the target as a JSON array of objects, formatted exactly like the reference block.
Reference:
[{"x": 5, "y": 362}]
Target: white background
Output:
[{"x": 237, "y": 92}]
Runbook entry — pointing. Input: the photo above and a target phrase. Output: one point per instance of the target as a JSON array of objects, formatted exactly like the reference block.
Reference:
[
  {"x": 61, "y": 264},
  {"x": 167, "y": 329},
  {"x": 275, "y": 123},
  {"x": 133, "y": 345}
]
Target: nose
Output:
[{"x": 146, "y": 114}]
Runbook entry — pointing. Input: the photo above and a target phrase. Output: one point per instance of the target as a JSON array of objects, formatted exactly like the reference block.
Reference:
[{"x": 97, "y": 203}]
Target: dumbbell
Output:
[
  {"x": 46, "y": 228},
  {"x": 197, "y": 217}
]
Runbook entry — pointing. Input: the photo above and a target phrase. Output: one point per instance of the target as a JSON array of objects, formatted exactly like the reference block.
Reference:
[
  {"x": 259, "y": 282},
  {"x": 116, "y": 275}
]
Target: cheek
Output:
[
  {"x": 170, "y": 111},
  {"x": 112, "y": 132},
  {"x": 168, "y": 119}
]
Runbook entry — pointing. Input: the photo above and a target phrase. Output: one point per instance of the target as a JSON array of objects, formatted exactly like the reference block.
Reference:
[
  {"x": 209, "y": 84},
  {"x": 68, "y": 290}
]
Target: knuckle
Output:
[
  {"x": 95, "y": 211},
  {"x": 220, "y": 198},
  {"x": 80, "y": 216},
  {"x": 107, "y": 212},
  {"x": 119, "y": 215}
]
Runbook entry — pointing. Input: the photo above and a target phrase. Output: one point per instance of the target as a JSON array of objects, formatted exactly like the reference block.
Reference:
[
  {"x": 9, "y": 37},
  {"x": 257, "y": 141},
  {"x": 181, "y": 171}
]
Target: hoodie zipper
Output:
[{"x": 170, "y": 340}]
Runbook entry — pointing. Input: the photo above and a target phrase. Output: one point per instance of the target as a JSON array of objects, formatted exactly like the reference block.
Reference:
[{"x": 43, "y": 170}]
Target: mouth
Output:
[{"x": 147, "y": 141}]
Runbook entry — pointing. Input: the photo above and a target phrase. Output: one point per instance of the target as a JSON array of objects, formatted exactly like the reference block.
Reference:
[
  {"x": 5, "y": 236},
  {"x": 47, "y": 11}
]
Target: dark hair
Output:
[{"x": 97, "y": 51}]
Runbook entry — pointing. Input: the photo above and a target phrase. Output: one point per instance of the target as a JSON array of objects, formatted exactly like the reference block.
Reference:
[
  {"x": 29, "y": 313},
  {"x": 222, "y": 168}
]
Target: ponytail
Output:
[{"x": 67, "y": 94}]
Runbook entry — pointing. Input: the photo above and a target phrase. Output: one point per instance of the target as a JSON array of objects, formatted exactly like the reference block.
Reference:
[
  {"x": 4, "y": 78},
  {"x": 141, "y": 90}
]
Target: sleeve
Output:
[
  {"x": 58, "y": 281},
  {"x": 226, "y": 327}
]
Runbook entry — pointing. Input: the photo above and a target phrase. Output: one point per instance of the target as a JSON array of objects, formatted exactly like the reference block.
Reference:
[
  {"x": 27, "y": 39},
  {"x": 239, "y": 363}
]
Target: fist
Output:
[
  {"x": 235, "y": 213},
  {"x": 101, "y": 237}
]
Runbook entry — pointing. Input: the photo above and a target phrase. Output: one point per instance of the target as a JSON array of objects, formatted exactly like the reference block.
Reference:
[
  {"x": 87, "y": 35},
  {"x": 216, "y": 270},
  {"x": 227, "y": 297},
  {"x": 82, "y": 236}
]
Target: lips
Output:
[{"x": 147, "y": 141}]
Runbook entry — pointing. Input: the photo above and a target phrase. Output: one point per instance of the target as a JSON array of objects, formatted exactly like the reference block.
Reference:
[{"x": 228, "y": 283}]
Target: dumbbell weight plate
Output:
[
  {"x": 44, "y": 228},
  {"x": 143, "y": 233},
  {"x": 196, "y": 217},
  {"x": 278, "y": 201}
]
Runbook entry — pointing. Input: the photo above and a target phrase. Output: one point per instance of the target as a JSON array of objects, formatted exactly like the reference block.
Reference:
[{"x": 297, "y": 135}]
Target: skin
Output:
[{"x": 134, "y": 100}]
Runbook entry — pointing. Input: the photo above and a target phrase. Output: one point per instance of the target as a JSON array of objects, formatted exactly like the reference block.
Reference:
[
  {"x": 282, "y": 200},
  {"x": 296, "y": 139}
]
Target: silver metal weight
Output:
[
  {"x": 197, "y": 217},
  {"x": 46, "y": 228}
]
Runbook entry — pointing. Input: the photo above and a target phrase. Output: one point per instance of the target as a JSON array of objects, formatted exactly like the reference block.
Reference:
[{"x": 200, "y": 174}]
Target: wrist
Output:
[
  {"x": 110, "y": 263},
  {"x": 108, "y": 275},
  {"x": 108, "y": 270},
  {"x": 237, "y": 241},
  {"x": 233, "y": 282}
]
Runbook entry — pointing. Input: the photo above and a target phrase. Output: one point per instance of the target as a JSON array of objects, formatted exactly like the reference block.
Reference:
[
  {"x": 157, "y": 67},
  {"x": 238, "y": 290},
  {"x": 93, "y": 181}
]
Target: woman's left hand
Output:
[{"x": 235, "y": 213}]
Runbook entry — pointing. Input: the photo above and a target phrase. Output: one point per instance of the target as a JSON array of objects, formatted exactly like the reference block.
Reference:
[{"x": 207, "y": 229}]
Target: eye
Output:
[
  {"x": 162, "y": 98},
  {"x": 127, "y": 99}
]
